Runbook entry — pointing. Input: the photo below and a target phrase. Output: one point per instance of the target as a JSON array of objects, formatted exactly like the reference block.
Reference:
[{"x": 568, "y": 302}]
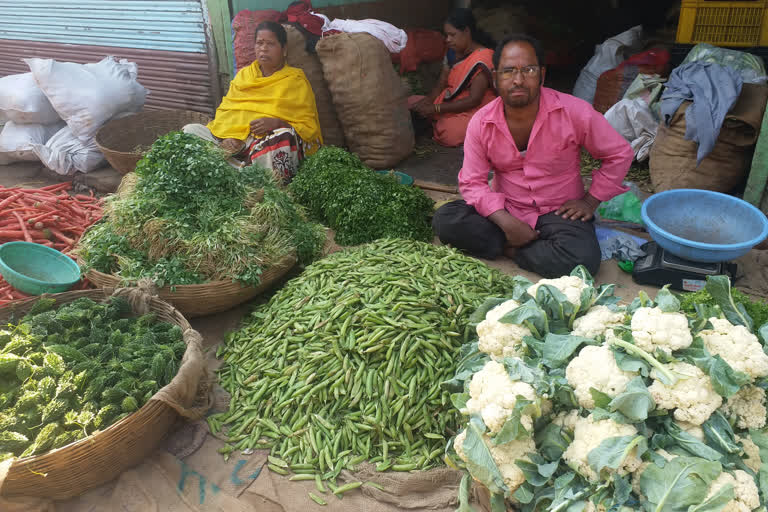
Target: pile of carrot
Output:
[{"x": 49, "y": 216}]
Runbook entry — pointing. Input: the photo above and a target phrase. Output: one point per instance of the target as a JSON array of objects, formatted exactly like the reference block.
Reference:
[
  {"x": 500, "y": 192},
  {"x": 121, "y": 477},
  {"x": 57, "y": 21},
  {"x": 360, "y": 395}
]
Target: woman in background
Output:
[
  {"x": 269, "y": 116},
  {"x": 466, "y": 83}
]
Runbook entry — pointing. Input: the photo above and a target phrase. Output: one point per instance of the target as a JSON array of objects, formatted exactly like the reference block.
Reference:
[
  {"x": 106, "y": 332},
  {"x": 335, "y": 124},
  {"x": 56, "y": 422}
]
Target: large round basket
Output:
[
  {"x": 78, "y": 467},
  {"x": 124, "y": 141},
  {"x": 195, "y": 300}
]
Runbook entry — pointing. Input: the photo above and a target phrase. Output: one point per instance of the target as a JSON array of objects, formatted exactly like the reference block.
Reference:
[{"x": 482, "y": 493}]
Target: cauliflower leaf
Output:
[{"x": 681, "y": 483}]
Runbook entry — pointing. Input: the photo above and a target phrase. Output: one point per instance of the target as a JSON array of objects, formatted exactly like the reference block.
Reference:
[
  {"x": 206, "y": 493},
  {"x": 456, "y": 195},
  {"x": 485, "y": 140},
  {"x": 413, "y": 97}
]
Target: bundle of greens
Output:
[
  {"x": 360, "y": 205},
  {"x": 193, "y": 218},
  {"x": 756, "y": 309},
  {"x": 68, "y": 371},
  {"x": 574, "y": 403}
]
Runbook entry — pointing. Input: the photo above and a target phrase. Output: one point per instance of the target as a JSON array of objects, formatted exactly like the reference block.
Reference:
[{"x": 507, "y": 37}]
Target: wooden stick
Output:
[{"x": 428, "y": 185}]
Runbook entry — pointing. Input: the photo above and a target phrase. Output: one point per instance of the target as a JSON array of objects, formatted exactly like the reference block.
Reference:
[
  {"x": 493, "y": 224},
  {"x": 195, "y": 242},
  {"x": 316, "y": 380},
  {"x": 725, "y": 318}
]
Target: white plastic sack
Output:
[
  {"x": 17, "y": 140},
  {"x": 65, "y": 153},
  {"x": 394, "y": 39},
  {"x": 22, "y": 101},
  {"x": 634, "y": 120},
  {"x": 88, "y": 95},
  {"x": 607, "y": 56}
]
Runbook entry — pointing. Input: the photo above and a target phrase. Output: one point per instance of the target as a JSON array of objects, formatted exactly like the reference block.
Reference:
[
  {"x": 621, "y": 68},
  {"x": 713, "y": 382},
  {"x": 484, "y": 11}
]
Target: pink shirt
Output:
[{"x": 548, "y": 173}]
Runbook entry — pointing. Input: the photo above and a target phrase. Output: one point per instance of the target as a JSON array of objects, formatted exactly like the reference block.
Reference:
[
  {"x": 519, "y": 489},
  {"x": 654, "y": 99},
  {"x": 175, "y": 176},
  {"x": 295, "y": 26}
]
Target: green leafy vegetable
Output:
[
  {"x": 682, "y": 482},
  {"x": 360, "y": 205}
]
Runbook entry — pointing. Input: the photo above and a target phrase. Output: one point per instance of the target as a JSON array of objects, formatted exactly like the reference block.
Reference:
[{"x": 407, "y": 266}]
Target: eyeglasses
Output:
[{"x": 526, "y": 71}]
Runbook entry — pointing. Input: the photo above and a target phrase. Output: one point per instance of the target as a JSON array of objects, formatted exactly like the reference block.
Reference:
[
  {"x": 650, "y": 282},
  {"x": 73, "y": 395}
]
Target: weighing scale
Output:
[{"x": 659, "y": 267}]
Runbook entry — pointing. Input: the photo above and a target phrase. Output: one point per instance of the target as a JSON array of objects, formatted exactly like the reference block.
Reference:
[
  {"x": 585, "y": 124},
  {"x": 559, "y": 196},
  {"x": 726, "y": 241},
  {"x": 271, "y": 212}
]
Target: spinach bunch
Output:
[{"x": 360, "y": 205}]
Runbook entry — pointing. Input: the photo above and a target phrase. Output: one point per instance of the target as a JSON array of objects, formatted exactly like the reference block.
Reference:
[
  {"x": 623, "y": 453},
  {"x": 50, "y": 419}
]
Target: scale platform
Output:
[{"x": 659, "y": 267}]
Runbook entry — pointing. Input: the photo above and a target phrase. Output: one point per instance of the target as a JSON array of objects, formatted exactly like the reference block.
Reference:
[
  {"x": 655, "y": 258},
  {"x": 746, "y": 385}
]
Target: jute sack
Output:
[
  {"x": 299, "y": 57},
  {"x": 369, "y": 97},
  {"x": 673, "y": 159}
]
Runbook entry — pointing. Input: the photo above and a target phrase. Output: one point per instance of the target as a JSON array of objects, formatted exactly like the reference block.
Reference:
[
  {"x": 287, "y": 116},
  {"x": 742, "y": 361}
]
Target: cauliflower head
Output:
[
  {"x": 493, "y": 395},
  {"x": 595, "y": 367},
  {"x": 504, "y": 456},
  {"x": 748, "y": 407},
  {"x": 571, "y": 286},
  {"x": 692, "y": 397},
  {"x": 746, "y": 496},
  {"x": 652, "y": 328},
  {"x": 597, "y": 320},
  {"x": 751, "y": 455},
  {"x": 587, "y": 435},
  {"x": 498, "y": 339},
  {"x": 737, "y": 346},
  {"x": 567, "y": 419},
  {"x": 695, "y": 430}
]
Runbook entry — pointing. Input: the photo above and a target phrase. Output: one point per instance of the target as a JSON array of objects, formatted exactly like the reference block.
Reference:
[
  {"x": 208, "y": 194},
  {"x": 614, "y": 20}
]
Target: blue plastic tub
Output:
[
  {"x": 704, "y": 226},
  {"x": 35, "y": 269}
]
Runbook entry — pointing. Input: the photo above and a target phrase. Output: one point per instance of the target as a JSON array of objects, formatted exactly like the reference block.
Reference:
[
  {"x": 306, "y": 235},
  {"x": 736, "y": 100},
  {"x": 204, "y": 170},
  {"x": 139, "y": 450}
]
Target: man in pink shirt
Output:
[{"x": 535, "y": 210}]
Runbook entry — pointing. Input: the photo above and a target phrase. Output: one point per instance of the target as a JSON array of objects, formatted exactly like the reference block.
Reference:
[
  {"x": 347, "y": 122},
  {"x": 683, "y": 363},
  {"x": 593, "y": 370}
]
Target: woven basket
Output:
[
  {"x": 204, "y": 299},
  {"x": 78, "y": 467},
  {"x": 119, "y": 138}
]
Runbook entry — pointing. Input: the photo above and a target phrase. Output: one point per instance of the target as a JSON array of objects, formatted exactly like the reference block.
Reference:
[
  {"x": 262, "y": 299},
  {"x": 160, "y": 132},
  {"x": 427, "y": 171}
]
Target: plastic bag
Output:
[
  {"x": 22, "y": 101},
  {"x": 88, "y": 95},
  {"x": 636, "y": 123},
  {"x": 625, "y": 207},
  {"x": 607, "y": 56},
  {"x": 65, "y": 153},
  {"x": 751, "y": 67},
  {"x": 649, "y": 89},
  {"x": 17, "y": 140}
]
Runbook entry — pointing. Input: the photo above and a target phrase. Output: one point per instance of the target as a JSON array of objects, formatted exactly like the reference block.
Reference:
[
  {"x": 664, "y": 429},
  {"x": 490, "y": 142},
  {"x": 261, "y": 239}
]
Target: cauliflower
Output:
[
  {"x": 596, "y": 321},
  {"x": 652, "y": 328},
  {"x": 748, "y": 407},
  {"x": 740, "y": 348},
  {"x": 504, "y": 456},
  {"x": 695, "y": 430},
  {"x": 692, "y": 397},
  {"x": 746, "y": 497},
  {"x": 595, "y": 367},
  {"x": 567, "y": 419},
  {"x": 751, "y": 455},
  {"x": 571, "y": 286},
  {"x": 493, "y": 395},
  {"x": 588, "y": 435},
  {"x": 498, "y": 339}
]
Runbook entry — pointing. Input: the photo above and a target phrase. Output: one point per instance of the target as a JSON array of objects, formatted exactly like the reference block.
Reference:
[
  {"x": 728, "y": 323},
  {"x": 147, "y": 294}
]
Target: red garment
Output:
[
  {"x": 299, "y": 13},
  {"x": 423, "y": 46}
]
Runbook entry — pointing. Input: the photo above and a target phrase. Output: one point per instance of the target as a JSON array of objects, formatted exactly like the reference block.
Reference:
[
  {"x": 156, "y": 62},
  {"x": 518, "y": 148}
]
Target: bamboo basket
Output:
[
  {"x": 195, "y": 300},
  {"x": 119, "y": 138},
  {"x": 78, "y": 467}
]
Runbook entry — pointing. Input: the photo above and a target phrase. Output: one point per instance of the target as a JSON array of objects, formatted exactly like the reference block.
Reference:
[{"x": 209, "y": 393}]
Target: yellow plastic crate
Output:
[{"x": 742, "y": 23}]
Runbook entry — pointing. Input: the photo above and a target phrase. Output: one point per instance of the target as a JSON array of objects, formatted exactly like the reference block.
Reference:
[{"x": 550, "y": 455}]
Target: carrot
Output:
[
  {"x": 59, "y": 186},
  {"x": 9, "y": 200},
  {"x": 61, "y": 236},
  {"x": 27, "y": 237}
]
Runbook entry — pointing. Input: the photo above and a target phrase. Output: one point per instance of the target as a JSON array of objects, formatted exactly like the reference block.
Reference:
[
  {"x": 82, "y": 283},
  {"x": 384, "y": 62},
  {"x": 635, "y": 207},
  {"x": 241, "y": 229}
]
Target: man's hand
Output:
[
  {"x": 424, "y": 108},
  {"x": 518, "y": 233},
  {"x": 231, "y": 145},
  {"x": 265, "y": 125},
  {"x": 579, "y": 209}
]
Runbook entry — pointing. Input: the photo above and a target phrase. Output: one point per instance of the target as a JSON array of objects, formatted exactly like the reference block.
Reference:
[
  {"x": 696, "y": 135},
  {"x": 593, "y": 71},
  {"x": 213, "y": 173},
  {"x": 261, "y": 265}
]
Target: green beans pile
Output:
[{"x": 344, "y": 364}]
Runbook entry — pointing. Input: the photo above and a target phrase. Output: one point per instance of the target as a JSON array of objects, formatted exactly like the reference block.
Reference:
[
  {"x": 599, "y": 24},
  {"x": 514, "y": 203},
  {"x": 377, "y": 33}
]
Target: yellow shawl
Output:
[{"x": 286, "y": 95}]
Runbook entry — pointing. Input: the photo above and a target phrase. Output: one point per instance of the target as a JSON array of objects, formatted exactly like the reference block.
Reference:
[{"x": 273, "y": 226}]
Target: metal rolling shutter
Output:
[{"x": 166, "y": 38}]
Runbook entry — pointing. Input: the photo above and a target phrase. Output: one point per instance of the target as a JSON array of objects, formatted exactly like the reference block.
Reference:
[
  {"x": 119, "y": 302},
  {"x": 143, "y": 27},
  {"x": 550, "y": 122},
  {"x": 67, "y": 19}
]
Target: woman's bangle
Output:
[{"x": 437, "y": 108}]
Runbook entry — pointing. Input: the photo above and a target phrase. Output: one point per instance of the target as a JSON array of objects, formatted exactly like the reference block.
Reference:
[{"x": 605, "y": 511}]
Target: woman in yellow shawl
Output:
[{"x": 269, "y": 115}]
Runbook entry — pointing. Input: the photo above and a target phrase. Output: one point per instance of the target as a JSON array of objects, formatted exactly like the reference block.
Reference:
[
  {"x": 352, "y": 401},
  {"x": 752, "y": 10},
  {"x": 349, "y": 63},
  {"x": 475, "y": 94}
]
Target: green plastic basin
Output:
[
  {"x": 401, "y": 177},
  {"x": 35, "y": 269}
]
